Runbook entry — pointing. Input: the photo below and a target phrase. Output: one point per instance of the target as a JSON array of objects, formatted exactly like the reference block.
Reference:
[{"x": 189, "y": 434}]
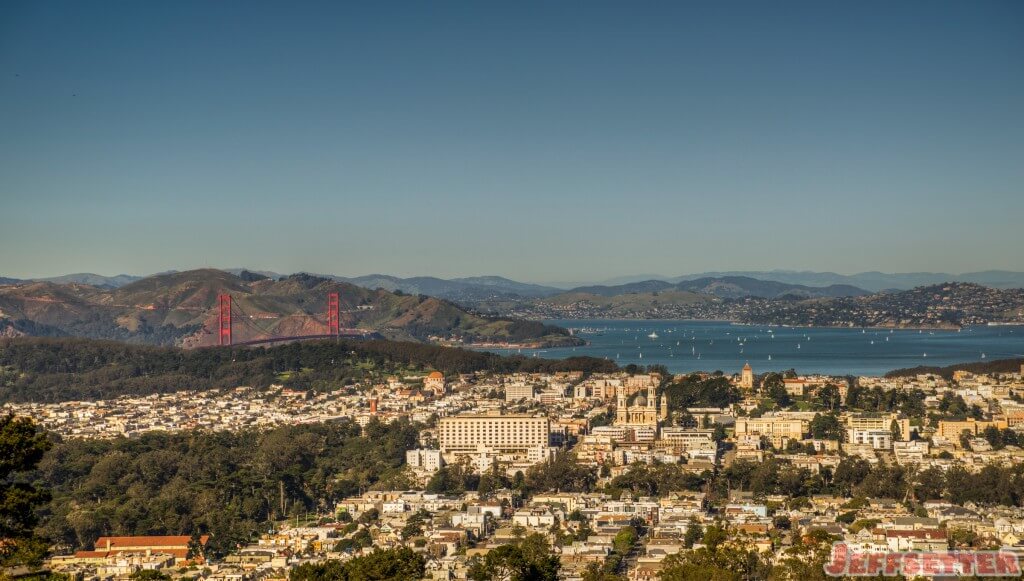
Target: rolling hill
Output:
[
  {"x": 731, "y": 287},
  {"x": 659, "y": 304},
  {"x": 948, "y": 305},
  {"x": 181, "y": 308},
  {"x": 470, "y": 290},
  {"x": 92, "y": 279},
  {"x": 873, "y": 281},
  {"x": 735, "y": 287}
]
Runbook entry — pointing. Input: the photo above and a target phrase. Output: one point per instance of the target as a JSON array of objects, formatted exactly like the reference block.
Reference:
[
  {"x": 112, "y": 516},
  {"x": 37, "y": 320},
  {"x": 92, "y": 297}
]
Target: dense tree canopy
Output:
[
  {"x": 659, "y": 479},
  {"x": 563, "y": 473},
  {"x": 695, "y": 391},
  {"x": 529, "y": 559},
  {"x": 22, "y": 446},
  {"x": 223, "y": 484}
]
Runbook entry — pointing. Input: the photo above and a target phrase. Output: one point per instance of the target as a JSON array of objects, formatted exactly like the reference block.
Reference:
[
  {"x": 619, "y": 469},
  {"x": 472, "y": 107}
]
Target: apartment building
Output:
[{"x": 514, "y": 435}]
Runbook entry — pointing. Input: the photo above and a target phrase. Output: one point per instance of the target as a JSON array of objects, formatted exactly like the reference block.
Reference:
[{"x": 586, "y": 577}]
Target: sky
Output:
[{"x": 547, "y": 141}]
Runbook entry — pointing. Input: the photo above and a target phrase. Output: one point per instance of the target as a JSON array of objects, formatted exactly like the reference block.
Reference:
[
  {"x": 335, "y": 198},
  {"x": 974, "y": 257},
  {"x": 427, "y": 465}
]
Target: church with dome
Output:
[{"x": 642, "y": 409}]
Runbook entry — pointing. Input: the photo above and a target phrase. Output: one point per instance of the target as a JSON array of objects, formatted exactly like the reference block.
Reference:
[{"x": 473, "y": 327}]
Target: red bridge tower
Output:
[
  {"x": 224, "y": 326},
  {"x": 333, "y": 314}
]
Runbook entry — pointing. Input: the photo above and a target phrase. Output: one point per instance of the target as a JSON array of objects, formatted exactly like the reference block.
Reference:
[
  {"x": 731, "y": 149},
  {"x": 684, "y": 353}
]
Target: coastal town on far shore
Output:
[{"x": 650, "y": 442}]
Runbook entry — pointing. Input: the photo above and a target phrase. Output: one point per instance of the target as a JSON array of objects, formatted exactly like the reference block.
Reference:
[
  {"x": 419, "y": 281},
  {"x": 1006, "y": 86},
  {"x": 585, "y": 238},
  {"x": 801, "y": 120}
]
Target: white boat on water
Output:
[{"x": 653, "y": 335}]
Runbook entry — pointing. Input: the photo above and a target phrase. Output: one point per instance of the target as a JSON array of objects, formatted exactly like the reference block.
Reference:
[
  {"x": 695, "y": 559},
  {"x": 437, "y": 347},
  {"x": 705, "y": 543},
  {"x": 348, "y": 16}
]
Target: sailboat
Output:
[
  {"x": 769, "y": 358},
  {"x": 797, "y": 345}
]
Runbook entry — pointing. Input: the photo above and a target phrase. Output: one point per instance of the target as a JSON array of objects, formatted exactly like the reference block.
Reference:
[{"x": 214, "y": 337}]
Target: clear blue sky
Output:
[{"x": 545, "y": 141}]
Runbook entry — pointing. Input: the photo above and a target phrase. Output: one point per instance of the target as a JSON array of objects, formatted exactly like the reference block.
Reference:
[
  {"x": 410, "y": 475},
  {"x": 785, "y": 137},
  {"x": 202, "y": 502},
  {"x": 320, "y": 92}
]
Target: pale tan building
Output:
[
  {"x": 493, "y": 434},
  {"x": 951, "y": 430},
  {"x": 777, "y": 430}
]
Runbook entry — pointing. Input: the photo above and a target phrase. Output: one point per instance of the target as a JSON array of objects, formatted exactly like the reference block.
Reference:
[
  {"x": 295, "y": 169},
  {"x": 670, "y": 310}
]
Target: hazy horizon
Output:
[
  {"x": 540, "y": 142},
  {"x": 610, "y": 280}
]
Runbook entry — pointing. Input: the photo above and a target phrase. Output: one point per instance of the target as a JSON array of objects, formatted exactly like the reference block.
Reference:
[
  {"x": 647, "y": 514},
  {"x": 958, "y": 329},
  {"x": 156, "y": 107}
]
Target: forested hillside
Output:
[
  {"x": 227, "y": 485},
  {"x": 42, "y": 369}
]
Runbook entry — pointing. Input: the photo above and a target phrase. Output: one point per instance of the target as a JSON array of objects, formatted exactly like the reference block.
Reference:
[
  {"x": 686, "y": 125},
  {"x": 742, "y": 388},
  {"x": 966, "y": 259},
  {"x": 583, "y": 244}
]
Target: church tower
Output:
[
  {"x": 663, "y": 412},
  {"x": 747, "y": 377}
]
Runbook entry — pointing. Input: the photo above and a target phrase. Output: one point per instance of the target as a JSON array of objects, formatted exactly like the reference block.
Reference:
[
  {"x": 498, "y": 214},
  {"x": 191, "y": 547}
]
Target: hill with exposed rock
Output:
[{"x": 181, "y": 308}]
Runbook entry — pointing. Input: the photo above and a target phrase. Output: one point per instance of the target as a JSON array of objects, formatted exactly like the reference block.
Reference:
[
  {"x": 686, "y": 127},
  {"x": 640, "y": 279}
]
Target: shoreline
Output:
[{"x": 742, "y": 324}]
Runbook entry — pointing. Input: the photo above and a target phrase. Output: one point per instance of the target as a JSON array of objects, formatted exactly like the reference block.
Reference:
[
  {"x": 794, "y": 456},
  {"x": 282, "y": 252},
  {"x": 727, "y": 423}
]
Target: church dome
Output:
[{"x": 640, "y": 400}]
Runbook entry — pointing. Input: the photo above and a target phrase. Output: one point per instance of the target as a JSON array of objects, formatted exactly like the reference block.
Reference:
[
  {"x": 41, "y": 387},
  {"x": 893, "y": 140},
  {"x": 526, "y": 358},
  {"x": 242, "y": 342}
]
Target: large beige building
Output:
[
  {"x": 877, "y": 423},
  {"x": 951, "y": 430},
  {"x": 516, "y": 436},
  {"x": 777, "y": 430}
]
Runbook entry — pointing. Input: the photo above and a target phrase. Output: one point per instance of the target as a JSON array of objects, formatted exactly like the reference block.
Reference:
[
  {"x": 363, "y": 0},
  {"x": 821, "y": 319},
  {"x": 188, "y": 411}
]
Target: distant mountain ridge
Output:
[
  {"x": 470, "y": 289},
  {"x": 89, "y": 278},
  {"x": 873, "y": 281},
  {"x": 477, "y": 289},
  {"x": 731, "y": 287},
  {"x": 97, "y": 280},
  {"x": 947, "y": 305}
]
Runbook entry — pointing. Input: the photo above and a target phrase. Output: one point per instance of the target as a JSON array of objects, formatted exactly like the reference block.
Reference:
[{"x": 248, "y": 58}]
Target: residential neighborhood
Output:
[{"x": 652, "y": 465}]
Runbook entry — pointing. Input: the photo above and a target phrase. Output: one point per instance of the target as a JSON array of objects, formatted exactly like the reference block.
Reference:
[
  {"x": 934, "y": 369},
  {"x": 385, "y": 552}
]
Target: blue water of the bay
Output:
[{"x": 684, "y": 346}]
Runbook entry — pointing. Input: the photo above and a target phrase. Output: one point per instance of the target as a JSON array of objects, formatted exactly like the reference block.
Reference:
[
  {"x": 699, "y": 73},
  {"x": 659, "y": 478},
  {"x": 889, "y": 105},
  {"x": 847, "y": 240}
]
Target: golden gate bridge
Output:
[{"x": 229, "y": 311}]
